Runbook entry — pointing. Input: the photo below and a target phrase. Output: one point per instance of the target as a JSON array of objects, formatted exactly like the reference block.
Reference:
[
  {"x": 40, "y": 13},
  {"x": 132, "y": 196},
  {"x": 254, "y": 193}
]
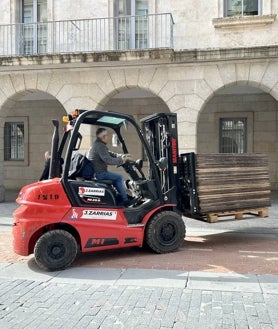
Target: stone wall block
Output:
[
  {"x": 76, "y": 102},
  {"x": 212, "y": 77},
  {"x": 227, "y": 73},
  {"x": 242, "y": 72},
  {"x": 43, "y": 80},
  {"x": 194, "y": 101},
  {"x": 176, "y": 102},
  {"x": 18, "y": 82},
  {"x": 169, "y": 90},
  {"x": 6, "y": 85},
  {"x": 269, "y": 79},
  {"x": 131, "y": 77},
  {"x": 256, "y": 73},
  {"x": 159, "y": 80},
  {"x": 186, "y": 72},
  {"x": 100, "y": 77},
  {"x": 274, "y": 91},
  {"x": 79, "y": 91},
  {"x": 185, "y": 87},
  {"x": 187, "y": 142},
  {"x": 3, "y": 98},
  {"x": 65, "y": 93},
  {"x": 187, "y": 115},
  {"x": 145, "y": 77},
  {"x": 59, "y": 79},
  {"x": 118, "y": 78},
  {"x": 104, "y": 82},
  {"x": 203, "y": 90},
  {"x": 96, "y": 93},
  {"x": 30, "y": 81}
]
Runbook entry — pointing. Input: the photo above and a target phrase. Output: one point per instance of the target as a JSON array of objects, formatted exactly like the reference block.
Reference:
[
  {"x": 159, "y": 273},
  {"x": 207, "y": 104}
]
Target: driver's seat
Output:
[{"x": 81, "y": 167}]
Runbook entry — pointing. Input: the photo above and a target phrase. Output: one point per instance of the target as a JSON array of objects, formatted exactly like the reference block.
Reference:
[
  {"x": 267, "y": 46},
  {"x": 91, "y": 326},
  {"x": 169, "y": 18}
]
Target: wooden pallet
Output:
[{"x": 238, "y": 214}]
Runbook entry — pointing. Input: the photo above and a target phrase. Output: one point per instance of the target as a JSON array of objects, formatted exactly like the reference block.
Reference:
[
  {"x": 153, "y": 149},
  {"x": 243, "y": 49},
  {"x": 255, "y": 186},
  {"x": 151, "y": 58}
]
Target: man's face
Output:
[{"x": 105, "y": 138}]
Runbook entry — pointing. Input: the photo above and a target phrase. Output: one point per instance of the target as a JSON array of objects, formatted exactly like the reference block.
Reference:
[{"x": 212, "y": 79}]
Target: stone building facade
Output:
[{"x": 214, "y": 63}]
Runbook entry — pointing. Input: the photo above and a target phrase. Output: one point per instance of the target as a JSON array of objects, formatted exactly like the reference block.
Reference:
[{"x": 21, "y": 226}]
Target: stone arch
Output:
[
  {"x": 138, "y": 99},
  {"x": 253, "y": 102},
  {"x": 189, "y": 88},
  {"x": 138, "y": 102},
  {"x": 103, "y": 83},
  {"x": 33, "y": 110}
]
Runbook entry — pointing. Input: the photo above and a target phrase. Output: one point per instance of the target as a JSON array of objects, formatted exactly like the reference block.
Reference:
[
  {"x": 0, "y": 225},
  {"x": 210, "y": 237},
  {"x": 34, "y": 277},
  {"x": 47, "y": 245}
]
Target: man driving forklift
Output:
[{"x": 101, "y": 157}]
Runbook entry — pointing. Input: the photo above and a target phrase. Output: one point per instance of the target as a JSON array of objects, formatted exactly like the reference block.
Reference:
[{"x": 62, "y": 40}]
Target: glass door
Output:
[
  {"x": 131, "y": 24},
  {"x": 34, "y": 13}
]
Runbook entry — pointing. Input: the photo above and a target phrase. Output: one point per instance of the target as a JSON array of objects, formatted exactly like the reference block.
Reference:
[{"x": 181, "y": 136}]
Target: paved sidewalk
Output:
[{"x": 132, "y": 298}]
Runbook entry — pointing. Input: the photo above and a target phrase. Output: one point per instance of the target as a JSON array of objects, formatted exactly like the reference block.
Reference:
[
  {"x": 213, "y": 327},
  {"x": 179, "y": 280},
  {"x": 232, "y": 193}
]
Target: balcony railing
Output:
[{"x": 87, "y": 35}]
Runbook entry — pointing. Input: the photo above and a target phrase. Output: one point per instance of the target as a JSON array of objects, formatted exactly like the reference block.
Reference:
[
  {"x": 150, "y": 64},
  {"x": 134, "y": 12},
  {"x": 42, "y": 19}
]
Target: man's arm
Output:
[{"x": 110, "y": 158}]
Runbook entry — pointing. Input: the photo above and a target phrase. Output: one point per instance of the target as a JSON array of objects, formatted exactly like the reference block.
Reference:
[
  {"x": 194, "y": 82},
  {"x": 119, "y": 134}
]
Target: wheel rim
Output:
[
  {"x": 167, "y": 233},
  {"x": 56, "y": 251}
]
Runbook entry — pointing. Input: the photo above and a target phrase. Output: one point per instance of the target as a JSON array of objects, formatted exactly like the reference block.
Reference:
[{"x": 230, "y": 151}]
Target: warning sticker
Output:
[
  {"x": 91, "y": 191},
  {"x": 99, "y": 214}
]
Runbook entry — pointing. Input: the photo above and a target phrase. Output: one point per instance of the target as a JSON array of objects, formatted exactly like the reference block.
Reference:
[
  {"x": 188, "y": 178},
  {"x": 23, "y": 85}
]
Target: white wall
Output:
[
  {"x": 193, "y": 27},
  {"x": 70, "y": 9}
]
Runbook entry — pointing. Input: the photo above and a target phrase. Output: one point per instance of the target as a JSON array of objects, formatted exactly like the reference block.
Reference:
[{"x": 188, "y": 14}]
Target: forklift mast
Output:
[{"x": 161, "y": 133}]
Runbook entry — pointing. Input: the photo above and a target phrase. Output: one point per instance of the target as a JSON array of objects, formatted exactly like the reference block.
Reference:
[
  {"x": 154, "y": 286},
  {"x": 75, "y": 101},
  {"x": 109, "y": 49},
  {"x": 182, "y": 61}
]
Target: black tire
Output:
[
  {"x": 55, "y": 250},
  {"x": 165, "y": 232}
]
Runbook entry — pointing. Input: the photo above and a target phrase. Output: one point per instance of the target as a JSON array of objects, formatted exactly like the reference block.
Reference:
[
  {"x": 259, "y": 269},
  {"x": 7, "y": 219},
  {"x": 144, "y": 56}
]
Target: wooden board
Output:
[{"x": 228, "y": 182}]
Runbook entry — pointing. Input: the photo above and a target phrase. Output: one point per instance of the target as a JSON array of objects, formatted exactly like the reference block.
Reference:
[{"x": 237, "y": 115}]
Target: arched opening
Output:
[
  {"x": 240, "y": 119},
  {"x": 139, "y": 103},
  {"x": 27, "y": 133}
]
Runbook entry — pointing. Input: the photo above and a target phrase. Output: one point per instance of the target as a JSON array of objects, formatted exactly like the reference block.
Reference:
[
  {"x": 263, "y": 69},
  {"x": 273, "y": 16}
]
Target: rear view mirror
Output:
[
  {"x": 125, "y": 125},
  {"x": 115, "y": 140},
  {"x": 78, "y": 142}
]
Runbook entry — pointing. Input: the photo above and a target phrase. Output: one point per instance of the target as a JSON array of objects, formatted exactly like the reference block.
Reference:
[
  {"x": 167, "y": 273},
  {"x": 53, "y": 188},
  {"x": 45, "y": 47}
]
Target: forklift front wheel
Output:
[
  {"x": 165, "y": 232},
  {"x": 55, "y": 250}
]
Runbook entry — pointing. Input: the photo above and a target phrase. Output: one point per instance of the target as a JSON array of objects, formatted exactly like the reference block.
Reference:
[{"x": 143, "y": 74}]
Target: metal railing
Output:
[{"x": 87, "y": 35}]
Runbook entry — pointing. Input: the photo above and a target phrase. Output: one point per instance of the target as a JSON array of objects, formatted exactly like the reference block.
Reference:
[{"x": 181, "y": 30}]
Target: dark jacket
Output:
[
  {"x": 101, "y": 157},
  {"x": 45, "y": 173}
]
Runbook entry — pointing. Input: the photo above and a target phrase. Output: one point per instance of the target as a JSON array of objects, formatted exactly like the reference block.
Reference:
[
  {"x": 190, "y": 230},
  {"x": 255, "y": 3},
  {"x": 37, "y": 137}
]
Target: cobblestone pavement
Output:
[
  {"x": 105, "y": 299},
  {"x": 217, "y": 280}
]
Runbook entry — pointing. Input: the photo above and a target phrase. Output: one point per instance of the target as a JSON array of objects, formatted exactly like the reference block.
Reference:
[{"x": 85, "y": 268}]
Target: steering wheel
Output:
[
  {"x": 129, "y": 167},
  {"x": 131, "y": 163}
]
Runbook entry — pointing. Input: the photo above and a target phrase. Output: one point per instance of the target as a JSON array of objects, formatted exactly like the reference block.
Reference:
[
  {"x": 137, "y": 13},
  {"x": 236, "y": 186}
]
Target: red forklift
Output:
[{"x": 71, "y": 212}]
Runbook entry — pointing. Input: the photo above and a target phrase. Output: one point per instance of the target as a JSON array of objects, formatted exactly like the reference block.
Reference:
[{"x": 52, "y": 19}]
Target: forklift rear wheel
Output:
[
  {"x": 55, "y": 250},
  {"x": 165, "y": 232}
]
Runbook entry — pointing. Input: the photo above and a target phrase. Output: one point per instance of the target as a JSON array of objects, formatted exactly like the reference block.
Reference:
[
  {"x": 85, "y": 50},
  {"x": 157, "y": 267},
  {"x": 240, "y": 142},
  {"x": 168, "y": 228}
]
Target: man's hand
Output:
[{"x": 127, "y": 157}]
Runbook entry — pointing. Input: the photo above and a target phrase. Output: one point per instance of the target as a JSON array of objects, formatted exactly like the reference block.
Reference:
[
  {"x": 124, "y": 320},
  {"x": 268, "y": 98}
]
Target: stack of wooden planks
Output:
[{"x": 232, "y": 182}]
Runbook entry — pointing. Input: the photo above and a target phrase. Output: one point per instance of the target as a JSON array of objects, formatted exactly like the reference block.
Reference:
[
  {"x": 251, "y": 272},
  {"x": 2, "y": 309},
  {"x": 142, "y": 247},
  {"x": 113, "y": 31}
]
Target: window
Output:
[
  {"x": 14, "y": 141},
  {"x": 34, "y": 29},
  {"x": 233, "y": 135},
  {"x": 132, "y": 24},
  {"x": 242, "y": 7}
]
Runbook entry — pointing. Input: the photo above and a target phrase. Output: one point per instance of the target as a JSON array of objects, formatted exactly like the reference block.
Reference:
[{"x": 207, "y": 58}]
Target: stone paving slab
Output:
[
  {"x": 269, "y": 283},
  {"x": 230, "y": 282},
  {"x": 224, "y": 282},
  {"x": 85, "y": 275},
  {"x": 151, "y": 278}
]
